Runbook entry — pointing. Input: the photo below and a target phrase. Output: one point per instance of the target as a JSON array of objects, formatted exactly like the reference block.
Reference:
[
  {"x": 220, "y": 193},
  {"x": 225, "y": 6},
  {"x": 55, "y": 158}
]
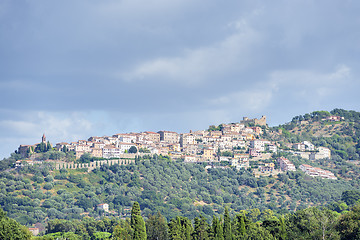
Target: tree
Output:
[
  {"x": 227, "y": 225},
  {"x": 201, "y": 228},
  {"x": 85, "y": 158},
  {"x": 137, "y": 223},
  {"x": 216, "y": 229},
  {"x": 240, "y": 225},
  {"x": 41, "y": 147},
  {"x": 312, "y": 223},
  {"x": 64, "y": 149},
  {"x": 276, "y": 227},
  {"x": 48, "y": 146},
  {"x": 350, "y": 197},
  {"x": 12, "y": 230},
  {"x": 349, "y": 224},
  {"x": 180, "y": 228},
  {"x": 122, "y": 231},
  {"x": 132, "y": 149},
  {"x": 156, "y": 227},
  {"x": 102, "y": 235}
]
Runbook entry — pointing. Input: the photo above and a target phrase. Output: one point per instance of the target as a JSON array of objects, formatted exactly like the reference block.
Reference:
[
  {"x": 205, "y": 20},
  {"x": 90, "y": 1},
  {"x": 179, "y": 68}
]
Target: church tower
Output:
[{"x": 43, "y": 139}]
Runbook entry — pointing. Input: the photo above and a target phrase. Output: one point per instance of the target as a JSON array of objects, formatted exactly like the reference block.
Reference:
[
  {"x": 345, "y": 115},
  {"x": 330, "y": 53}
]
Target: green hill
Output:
[{"x": 36, "y": 194}]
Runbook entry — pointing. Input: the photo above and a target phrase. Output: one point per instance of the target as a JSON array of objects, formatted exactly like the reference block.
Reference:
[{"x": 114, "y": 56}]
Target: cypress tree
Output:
[
  {"x": 216, "y": 229},
  {"x": 175, "y": 229},
  {"x": 48, "y": 146},
  {"x": 156, "y": 227},
  {"x": 180, "y": 228},
  {"x": 137, "y": 223},
  {"x": 227, "y": 225},
  {"x": 282, "y": 229},
  {"x": 242, "y": 226},
  {"x": 201, "y": 228}
]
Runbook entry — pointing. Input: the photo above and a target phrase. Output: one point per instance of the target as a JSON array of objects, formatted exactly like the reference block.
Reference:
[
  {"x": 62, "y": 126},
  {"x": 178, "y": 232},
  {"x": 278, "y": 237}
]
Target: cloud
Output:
[
  {"x": 247, "y": 100},
  {"x": 287, "y": 89},
  {"x": 75, "y": 69},
  {"x": 311, "y": 85},
  {"x": 28, "y": 127},
  {"x": 196, "y": 66}
]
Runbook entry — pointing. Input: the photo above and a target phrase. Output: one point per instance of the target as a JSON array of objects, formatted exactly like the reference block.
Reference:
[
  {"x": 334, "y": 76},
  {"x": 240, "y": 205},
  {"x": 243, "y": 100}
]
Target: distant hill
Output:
[
  {"x": 338, "y": 130},
  {"x": 36, "y": 194}
]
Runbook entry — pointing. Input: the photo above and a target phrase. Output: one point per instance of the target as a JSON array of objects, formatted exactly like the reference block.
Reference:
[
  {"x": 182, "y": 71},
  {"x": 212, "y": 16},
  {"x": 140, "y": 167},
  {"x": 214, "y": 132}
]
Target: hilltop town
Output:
[
  {"x": 311, "y": 161},
  {"x": 243, "y": 145}
]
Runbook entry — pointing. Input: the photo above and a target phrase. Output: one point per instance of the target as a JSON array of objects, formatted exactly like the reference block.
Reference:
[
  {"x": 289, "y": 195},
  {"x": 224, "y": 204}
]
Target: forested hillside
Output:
[
  {"x": 172, "y": 188},
  {"x": 341, "y": 136},
  {"x": 34, "y": 194}
]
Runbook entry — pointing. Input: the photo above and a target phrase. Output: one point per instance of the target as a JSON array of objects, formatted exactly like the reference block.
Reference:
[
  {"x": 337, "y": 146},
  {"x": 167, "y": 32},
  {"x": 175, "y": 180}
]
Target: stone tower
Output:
[{"x": 43, "y": 139}]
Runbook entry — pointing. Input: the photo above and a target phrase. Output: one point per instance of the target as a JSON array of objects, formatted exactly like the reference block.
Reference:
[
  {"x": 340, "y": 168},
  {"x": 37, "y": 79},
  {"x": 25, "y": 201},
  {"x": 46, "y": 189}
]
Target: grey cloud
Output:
[{"x": 132, "y": 66}]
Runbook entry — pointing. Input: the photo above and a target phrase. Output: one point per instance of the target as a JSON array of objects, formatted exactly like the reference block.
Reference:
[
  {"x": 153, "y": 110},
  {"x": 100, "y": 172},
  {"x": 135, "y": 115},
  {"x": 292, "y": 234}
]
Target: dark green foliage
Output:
[
  {"x": 41, "y": 147},
  {"x": 88, "y": 228},
  {"x": 7, "y": 163},
  {"x": 214, "y": 128},
  {"x": 227, "y": 225},
  {"x": 122, "y": 231},
  {"x": 350, "y": 197},
  {"x": 11, "y": 230},
  {"x": 137, "y": 223},
  {"x": 159, "y": 184},
  {"x": 217, "y": 232},
  {"x": 240, "y": 224},
  {"x": 180, "y": 228},
  {"x": 276, "y": 227},
  {"x": 312, "y": 223},
  {"x": 349, "y": 224},
  {"x": 156, "y": 227},
  {"x": 133, "y": 149},
  {"x": 85, "y": 158},
  {"x": 201, "y": 228}
]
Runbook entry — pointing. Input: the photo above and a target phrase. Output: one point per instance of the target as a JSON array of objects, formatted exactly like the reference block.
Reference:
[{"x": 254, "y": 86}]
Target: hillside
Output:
[
  {"x": 33, "y": 195},
  {"x": 341, "y": 135},
  {"x": 36, "y": 194}
]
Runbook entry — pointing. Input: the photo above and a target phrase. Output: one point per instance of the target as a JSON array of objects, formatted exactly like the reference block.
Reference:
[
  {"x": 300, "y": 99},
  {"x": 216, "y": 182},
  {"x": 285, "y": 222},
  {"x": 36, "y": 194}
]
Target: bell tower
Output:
[{"x": 43, "y": 139}]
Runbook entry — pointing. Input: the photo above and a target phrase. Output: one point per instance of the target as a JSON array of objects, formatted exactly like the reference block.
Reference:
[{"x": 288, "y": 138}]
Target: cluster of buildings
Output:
[
  {"x": 25, "y": 150},
  {"x": 308, "y": 151},
  {"x": 316, "y": 172},
  {"x": 237, "y": 143},
  {"x": 333, "y": 118},
  {"x": 198, "y": 146}
]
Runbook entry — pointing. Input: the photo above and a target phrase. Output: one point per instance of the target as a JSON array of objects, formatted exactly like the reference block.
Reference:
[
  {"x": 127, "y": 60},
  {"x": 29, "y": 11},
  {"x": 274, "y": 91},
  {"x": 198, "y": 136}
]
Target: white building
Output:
[
  {"x": 110, "y": 151},
  {"x": 286, "y": 165},
  {"x": 322, "y": 153},
  {"x": 187, "y": 139},
  {"x": 258, "y": 144},
  {"x": 316, "y": 172},
  {"x": 103, "y": 206}
]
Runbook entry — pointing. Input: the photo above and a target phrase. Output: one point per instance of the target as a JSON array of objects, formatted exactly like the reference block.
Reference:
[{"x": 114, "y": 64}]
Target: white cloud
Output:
[
  {"x": 309, "y": 84},
  {"x": 244, "y": 100},
  {"x": 196, "y": 66},
  {"x": 29, "y": 127},
  {"x": 285, "y": 87}
]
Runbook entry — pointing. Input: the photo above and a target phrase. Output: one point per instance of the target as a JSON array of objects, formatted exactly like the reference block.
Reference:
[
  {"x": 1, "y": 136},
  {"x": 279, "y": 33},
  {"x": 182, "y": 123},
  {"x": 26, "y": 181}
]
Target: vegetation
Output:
[
  {"x": 188, "y": 201},
  {"x": 309, "y": 223},
  {"x": 10, "y": 229},
  {"x": 37, "y": 194}
]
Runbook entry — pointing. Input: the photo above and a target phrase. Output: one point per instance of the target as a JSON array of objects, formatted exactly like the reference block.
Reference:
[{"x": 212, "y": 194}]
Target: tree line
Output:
[{"x": 309, "y": 223}]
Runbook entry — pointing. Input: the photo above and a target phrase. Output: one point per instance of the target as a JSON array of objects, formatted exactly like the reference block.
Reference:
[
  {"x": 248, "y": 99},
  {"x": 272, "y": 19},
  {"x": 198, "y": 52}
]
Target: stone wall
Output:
[
  {"x": 261, "y": 121},
  {"x": 92, "y": 165}
]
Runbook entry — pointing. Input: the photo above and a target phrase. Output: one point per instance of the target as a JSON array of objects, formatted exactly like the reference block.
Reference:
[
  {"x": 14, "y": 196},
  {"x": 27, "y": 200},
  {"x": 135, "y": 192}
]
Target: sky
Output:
[{"x": 75, "y": 69}]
